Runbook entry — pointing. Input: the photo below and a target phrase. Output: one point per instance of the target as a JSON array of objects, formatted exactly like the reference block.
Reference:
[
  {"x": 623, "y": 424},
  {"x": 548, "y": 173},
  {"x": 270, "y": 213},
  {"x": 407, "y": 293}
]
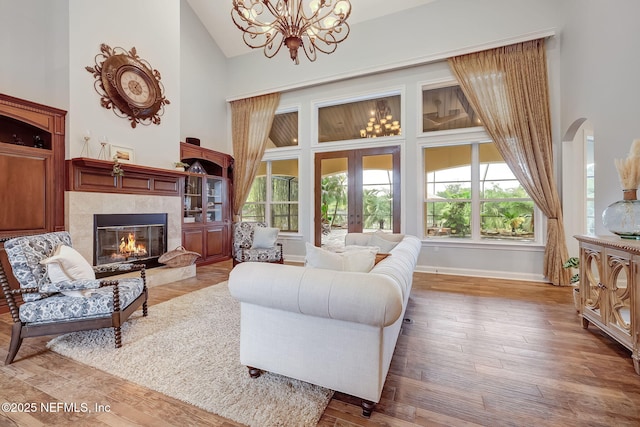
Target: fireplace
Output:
[{"x": 137, "y": 238}]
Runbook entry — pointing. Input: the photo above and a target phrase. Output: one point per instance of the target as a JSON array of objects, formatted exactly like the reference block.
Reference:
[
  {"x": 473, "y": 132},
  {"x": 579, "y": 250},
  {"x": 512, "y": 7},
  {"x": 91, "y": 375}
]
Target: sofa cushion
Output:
[
  {"x": 365, "y": 239},
  {"x": 260, "y": 255},
  {"x": 358, "y": 260},
  {"x": 264, "y": 237},
  {"x": 321, "y": 258},
  {"x": 391, "y": 237},
  {"x": 98, "y": 304},
  {"x": 385, "y": 245}
]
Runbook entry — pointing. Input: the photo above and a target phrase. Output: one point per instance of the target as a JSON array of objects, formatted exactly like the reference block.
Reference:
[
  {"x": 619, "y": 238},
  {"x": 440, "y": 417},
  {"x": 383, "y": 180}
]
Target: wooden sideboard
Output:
[{"x": 610, "y": 289}]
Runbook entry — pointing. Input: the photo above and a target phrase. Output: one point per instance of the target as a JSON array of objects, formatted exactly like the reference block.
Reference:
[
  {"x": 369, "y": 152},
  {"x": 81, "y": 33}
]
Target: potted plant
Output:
[
  {"x": 181, "y": 166},
  {"x": 574, "y": 263},
  {"x": 117, "y": 169}
]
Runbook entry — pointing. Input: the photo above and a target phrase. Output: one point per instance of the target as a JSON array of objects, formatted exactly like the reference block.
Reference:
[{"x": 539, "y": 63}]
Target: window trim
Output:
[
  {"x": 295, "y": 108},
  {"x": 356, "y": 97},
  {"x": 268, "y": 202},
  {"x": 437, "y": 84},
  {"x": 475, "y": 241}
]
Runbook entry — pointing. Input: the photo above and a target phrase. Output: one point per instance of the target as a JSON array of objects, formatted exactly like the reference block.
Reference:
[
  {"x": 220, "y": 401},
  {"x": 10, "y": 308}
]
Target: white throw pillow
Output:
[
  {"x": 392, "y": 237},
  {"x": 349, "y": 248},
  {"x": 322, "y": 258},
  {"x": 264, "y": 237},
  {"x": 360, "y": 260},
  {"x": 384, "y": 244},
  {"x": 68, "y": 264}
]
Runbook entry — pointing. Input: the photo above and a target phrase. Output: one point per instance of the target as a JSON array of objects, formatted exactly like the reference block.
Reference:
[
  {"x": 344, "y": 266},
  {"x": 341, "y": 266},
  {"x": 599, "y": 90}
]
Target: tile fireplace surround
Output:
[
  {"x": 92, "y": 190},
  {"x": 80, "y": 207}
]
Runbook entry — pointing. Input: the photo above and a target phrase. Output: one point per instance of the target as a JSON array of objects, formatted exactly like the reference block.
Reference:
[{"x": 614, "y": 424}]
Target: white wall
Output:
[
  {"x": 600, "y": 81},
  {"x": 33, "y": 51},
  {"x": 153, "y": 28},
  {"x": 203, "y": 80},
  {"x": 412, "y": 36}
]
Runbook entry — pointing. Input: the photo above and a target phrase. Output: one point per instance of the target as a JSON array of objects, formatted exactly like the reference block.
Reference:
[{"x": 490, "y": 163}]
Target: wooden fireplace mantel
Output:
[{"x": 92, "y": 175}]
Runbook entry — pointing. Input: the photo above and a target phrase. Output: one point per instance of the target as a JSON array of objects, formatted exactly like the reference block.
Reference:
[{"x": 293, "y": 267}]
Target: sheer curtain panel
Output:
[
  {"x": 251, "y": 120},
  {"x": 508, "y": 89}
]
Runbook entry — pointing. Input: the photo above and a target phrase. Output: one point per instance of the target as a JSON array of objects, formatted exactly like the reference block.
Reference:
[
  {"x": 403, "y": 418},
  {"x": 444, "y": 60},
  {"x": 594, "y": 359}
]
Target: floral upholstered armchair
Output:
[
  {"x": 60, "y": 291},
  {"x": 255, "y": 242}
]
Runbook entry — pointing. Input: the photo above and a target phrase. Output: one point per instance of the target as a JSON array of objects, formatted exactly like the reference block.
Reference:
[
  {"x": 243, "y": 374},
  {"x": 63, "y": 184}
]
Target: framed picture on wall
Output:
[{"x": 123, "y": 154}]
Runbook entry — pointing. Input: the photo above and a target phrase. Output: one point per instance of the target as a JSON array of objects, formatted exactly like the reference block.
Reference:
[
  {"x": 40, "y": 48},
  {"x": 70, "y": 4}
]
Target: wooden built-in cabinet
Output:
[
  {"x": 610, "y": 289},
  {"x": 206, "y": 226},
  {"x": 91, "y": 175},
  {"x": 32, "y": 152}
]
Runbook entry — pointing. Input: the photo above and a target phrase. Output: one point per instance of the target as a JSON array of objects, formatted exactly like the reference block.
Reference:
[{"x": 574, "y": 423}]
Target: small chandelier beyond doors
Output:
[
  {"x": 381, "y": 122},
  {"x": 270, "y": 24}
]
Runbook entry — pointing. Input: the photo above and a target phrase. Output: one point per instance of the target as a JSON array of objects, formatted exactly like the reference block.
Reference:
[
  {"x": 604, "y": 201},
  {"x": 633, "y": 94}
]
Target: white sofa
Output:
[{"x": 335, "y": 329}]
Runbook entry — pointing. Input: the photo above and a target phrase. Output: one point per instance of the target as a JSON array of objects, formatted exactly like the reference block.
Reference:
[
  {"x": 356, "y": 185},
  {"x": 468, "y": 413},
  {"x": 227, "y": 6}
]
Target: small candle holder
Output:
[
  {"x": 85, "y": 148},
  {"x": 103, "y": 148}
]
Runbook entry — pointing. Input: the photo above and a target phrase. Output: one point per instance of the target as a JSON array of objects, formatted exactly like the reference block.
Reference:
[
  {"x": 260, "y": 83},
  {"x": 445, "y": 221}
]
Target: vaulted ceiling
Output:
[
  {"x": 216, "y": 18},
  {"x": 441, "y": 110}
]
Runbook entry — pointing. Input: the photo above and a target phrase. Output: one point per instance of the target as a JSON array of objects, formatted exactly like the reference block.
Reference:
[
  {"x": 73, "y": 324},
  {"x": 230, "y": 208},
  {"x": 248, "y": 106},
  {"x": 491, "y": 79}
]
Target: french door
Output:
[{"x": 356, "y": 191}]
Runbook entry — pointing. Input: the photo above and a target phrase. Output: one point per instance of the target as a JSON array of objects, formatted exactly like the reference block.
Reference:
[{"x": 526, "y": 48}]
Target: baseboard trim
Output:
[
  {"x": 298, "y": 259},
  {"x": 489, "y": 274}
]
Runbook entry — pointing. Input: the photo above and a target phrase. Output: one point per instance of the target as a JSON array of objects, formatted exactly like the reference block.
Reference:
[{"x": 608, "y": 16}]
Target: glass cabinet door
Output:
[
  {"x": 591, "y": 282},
  {"x": 193, "y": 199},
  {"x": 215, "y": 187},
  {"x": 620, "y": 294}
]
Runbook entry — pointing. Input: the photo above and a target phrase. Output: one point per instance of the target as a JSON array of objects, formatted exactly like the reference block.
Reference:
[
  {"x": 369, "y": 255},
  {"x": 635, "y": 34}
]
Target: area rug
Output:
[{"x": 188, "y": 348}]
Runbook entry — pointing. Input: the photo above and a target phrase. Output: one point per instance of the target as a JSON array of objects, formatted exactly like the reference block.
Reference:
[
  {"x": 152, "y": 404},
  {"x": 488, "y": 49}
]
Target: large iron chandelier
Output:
[{"x": 270, "y": 24}]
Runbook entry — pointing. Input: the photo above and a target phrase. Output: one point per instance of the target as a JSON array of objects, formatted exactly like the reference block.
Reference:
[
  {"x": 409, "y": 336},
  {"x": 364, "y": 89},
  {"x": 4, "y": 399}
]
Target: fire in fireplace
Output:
[{"x": 139, "y": 238}]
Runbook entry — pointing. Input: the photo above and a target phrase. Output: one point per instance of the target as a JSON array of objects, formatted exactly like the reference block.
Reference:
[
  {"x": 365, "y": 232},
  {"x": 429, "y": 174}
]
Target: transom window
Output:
[
  {"x": 470, "y": 193},
  {"x": 274, "y": 195},
  {"x": 370, "y": 118},
  {"x": 284, "y": 130},
  {"x": 446, "y": 108}
]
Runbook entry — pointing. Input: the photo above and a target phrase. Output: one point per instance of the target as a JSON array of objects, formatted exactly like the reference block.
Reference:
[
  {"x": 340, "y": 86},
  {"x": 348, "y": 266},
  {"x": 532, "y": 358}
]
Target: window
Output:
[
  {"x": 590, "y": 183},
  {"x": 446, "y": 108},
  {"x": 472, "y": 194},
  {"x": 274, "y": 195},
  {"x": 284, "y": 130},
  {"x": 370, "y": 118}
]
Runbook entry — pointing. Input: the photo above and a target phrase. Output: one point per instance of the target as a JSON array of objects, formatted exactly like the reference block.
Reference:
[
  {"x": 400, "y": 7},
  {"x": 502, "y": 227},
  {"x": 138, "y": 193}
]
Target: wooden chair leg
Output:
[
  {"x": 254, "y": 372},
  {"x": 117, "y": 331},
  {"x": 16, "y": 341},
  {"x": 367, "y": 408}
]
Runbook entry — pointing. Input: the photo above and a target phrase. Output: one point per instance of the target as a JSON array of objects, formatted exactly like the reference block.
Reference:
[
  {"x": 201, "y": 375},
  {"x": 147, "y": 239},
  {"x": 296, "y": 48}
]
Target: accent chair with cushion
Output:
[
  {"x": 60, "y": 291},
  {"x": 255, "y": 242}
]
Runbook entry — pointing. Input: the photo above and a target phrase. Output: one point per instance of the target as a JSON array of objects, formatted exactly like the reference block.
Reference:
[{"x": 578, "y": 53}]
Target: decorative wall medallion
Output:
[{"x": 129, "y": 85}]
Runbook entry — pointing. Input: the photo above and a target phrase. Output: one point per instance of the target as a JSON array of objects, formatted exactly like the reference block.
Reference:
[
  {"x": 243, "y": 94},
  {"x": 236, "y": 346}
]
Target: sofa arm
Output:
[{"x": 366, "y": 298}]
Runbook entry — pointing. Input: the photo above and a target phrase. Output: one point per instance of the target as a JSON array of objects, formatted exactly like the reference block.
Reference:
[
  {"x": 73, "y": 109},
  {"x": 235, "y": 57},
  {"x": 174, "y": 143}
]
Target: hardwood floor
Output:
[{"x": 476, "y": 352}]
